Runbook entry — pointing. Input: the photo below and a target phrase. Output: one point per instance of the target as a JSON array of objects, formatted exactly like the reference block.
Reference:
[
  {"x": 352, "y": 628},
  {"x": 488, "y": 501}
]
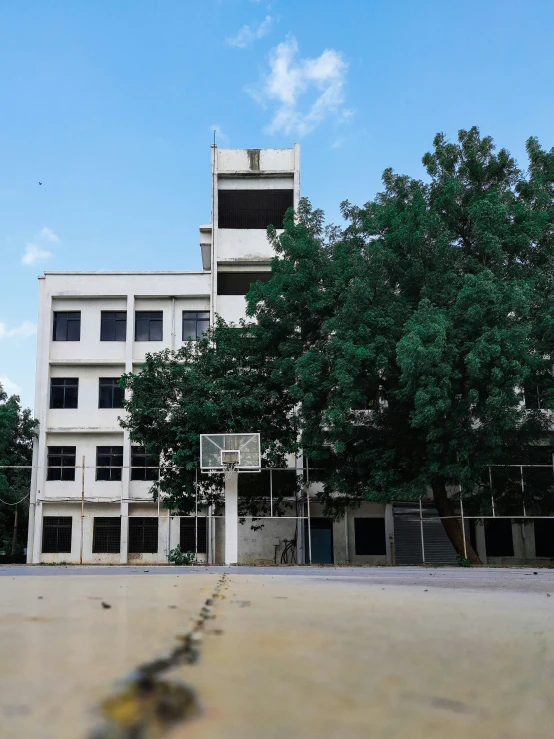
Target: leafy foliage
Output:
[
  {"x": 223, "y": 383},
  {"x": 177, "y": 557},
  {"x": 17, "y": 430}
]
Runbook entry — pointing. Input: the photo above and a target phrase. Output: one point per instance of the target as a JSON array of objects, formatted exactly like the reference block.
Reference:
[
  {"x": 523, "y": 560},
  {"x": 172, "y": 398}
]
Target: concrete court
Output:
[{"x": 330, "y": 652}]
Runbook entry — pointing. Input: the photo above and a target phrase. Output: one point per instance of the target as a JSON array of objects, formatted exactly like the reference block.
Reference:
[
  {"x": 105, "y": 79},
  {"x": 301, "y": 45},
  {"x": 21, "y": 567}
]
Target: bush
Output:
[{"x": 178, "y": 557}]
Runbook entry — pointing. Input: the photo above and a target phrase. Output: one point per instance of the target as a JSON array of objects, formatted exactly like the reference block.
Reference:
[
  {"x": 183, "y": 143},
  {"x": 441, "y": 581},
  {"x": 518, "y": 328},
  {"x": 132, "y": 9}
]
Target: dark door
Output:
[{"x": 321, "y": 532}]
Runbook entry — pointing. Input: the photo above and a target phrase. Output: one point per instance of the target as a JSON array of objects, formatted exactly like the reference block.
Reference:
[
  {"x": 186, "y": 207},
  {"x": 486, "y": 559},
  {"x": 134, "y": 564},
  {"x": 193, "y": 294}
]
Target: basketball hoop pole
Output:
[{"x": 231, "y": 518}]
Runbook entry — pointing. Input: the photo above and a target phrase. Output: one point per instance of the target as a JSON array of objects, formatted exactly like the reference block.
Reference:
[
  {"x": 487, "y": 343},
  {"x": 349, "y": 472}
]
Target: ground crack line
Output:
[{"x": 147, "y": 706}]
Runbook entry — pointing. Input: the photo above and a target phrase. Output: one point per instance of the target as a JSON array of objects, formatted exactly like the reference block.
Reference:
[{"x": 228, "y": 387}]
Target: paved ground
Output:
[{"x": 326, "y": 652}]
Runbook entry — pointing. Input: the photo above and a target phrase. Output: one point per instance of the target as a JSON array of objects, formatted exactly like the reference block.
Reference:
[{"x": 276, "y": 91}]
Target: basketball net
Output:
[{"x": 229, "y": 467}]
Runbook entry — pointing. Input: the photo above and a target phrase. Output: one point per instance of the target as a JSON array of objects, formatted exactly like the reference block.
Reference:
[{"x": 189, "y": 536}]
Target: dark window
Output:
[
  {"x": 106, "y": 537},
  {"x": 534, "y": 395},
  {"x": 544, "y": 537},
  {"x": 56, "y": 534},
  {"x": 61, "y": 463},
  {"x": 67, "y": 326},
  {"x": 113, "y": 326},
  {"x": 143, "y": 465},
  {"x": 253, "y": 208},
  {"x": 188, "y": 535},
  {"x": 64, "y": 392},
  {"x": 110, "y": 394},
  {"x": 195, "y": 323},
  {"x": 149, "y": 325},
  {"x": 238, "y": 283},
  {"x": 369, "y": 536},
  {"x": 498, "y": 538},
  {"x": 109, "y": 462},
  {"x": 143, "y": 534}
]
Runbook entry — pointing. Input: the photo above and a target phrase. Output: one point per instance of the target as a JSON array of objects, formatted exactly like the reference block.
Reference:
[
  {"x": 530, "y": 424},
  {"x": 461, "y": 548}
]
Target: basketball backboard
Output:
[{"x": 219, "y": 451}]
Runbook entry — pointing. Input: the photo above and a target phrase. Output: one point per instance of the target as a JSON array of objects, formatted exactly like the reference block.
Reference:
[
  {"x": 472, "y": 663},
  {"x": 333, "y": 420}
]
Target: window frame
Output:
[
  {"x": 71, "y": 383},
  {"x": 150, "y": 471},
  {"x": 112, "y": 384},
  {"x": 109, "y": 526},
  {"x": 62, "y": 472},
  {"x": 63, "y": 315},
  {"x": 109, "y": 472},
  {"x": 196, "y": 320},
  {"x": 187, "y": 522},
  {"x": 149, "y": 315},
  {"x": 60, "y": 529},
  {"x": 106, "y": 315},
  {"x": 142, "y": 536}
]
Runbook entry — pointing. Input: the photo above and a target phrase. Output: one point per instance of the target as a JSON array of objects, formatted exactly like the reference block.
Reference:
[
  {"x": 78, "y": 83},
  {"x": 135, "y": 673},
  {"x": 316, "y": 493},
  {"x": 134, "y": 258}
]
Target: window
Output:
[
  {"x": 109, "y": 462},
  {"x": 56, "y": 534},
  {"x": 64, "y": 392},
  {"x": 534, "y": 395},
  {"x": 106, "y": 536},
  {"x": 188, "y": 535},
  {"x": 143, "y": 534},
  {"x": 143, "y": 465},
  {"x": 238, "y": 283},
  {"x": 110, "y": 394},
  {"x": 194, "y": 324},
  {"x": 498, "y": 538},
  {"x": 544, "y": 537},
  {"x": 149, "y": 325},
  {"x": 253, "y": 208},
  {"x": 369, "y": 536},
  {"x": 67, "y": 326},
  {"x": 61, "y": 463},
  {"x": 113, "y": 326}
]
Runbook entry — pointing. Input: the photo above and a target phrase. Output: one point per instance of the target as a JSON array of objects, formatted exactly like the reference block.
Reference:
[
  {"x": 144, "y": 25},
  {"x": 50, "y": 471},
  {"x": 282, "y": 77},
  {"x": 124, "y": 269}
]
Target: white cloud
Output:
[
  {"x": 338, "y": 143},
  {"x": 248, "y": 34},
  {"x": 27, "y": 328},
  {"x": 220, "y": 135},
  {"x": 10, "y": 387},
  {"x": 290, "y": 79},
  {"x": 46, "y": 234},
  {"x": 34, "y": 254}
]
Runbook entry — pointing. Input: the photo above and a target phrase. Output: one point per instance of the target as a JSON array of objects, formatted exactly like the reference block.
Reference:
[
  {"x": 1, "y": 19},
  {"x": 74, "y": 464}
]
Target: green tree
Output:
[
  {"x": 17, "y": 430},
  {"x": 223, "y": 383},
  {"x": 406, "y": 337}
]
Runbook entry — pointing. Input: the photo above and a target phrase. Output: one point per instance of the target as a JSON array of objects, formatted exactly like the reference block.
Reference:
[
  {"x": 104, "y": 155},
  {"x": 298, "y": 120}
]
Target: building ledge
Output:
[
  {"x": 84, "y": 362},
  {"x": 85, "y": 429}
]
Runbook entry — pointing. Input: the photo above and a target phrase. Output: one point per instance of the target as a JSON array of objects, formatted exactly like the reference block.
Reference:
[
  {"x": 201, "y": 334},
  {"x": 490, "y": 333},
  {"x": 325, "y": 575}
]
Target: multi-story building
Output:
[{"x": 90, "y": 491}]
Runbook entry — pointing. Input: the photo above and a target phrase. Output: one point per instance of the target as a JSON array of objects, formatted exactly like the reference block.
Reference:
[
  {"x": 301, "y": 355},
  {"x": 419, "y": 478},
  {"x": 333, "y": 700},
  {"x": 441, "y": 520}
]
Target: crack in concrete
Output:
[{"x": 148, "y": 706}]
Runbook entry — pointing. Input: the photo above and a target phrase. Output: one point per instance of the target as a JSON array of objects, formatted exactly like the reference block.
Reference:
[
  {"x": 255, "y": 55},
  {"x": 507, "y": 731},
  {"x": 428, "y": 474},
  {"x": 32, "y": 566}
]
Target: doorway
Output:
[{"x": 321, "y": 532}]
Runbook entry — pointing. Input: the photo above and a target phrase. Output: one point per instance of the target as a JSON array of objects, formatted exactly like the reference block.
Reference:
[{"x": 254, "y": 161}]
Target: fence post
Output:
[
  {"x": 82, "y": 509},
  {"x": 463, "y": 527},
  {"x": 421, "y": 529}
]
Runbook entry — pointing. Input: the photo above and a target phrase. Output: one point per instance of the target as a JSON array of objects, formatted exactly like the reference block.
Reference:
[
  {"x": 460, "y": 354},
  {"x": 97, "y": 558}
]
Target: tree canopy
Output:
[
  {"x": 394, "y": 350},
  {"x": 17, "y": 429}
]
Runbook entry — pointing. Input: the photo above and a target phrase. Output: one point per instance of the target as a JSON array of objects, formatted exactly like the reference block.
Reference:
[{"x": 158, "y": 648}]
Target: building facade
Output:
[{"x": 90, "y": 490}]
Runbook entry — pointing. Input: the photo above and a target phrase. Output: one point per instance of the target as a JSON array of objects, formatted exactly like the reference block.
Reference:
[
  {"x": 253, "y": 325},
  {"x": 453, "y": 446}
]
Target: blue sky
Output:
[{"x": 111, "y": 105}]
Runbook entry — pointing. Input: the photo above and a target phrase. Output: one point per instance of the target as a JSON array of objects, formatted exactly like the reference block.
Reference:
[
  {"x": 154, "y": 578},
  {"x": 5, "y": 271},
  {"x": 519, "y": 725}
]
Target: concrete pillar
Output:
[
  {"x": 124, "y": 546},
  {"x": 37, "y": 546},
  {"x": 231, "y": 519}
]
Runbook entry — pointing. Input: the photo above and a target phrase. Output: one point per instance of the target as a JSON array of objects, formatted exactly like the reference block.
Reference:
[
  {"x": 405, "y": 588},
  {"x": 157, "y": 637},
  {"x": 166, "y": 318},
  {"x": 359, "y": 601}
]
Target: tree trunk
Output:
[
  {"x": 453, "y": 526},
  {"x": 14, "y": 539}
]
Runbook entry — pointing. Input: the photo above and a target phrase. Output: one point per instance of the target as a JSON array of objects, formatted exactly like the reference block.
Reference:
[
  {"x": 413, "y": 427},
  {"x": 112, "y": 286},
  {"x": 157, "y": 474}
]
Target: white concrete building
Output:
[
  {"x": 90, "y": 499},
  {"x": 90, "y": 490}
]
